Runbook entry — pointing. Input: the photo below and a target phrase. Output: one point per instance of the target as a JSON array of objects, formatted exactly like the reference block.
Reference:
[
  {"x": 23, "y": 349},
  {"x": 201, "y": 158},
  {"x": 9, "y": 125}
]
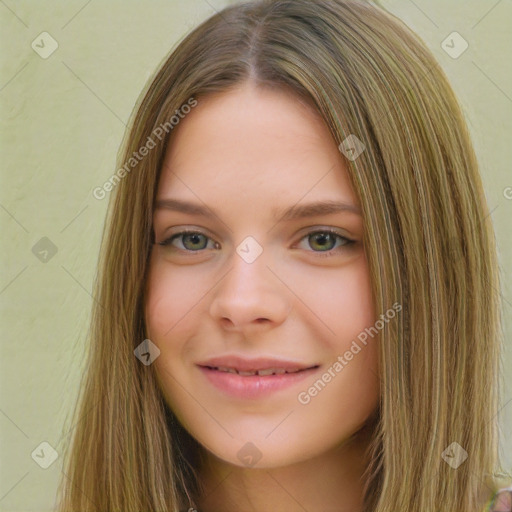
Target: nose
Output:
[{"x": 250, "y": 298}]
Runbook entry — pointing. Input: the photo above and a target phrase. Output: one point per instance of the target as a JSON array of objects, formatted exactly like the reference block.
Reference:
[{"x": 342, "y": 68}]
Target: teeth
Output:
[
  {"x": 270, "y": 371},
  {"x": 226, "y": 369},
  {"x": 262, "y": 373}
]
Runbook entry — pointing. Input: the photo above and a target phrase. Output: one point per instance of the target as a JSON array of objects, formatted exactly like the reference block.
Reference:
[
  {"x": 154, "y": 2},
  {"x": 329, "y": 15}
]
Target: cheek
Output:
[
  {"x": 170, "y": 298},
  {"x": 341, "y": 300},
  {"x": 169, "y": 307},
  {"x": 352, "y": 310},
  {"x": 353, "y": 316},
  {"x": 160, "y": 317}
]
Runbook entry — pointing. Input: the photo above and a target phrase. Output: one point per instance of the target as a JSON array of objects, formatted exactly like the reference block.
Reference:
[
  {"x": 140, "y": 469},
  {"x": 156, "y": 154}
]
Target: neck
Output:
[{"x": 331, "y": 481}]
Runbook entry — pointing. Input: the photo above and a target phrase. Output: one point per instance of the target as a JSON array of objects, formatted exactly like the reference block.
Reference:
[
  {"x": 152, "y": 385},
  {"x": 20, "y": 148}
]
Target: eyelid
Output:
[
  {"x": 326, "y": 229},
  {"x": 185, "y": 229}
]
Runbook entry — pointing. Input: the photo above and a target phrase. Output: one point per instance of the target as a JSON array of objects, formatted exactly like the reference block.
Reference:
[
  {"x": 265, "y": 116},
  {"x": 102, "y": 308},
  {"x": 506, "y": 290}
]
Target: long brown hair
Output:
[{"x": 428, "y": 239}]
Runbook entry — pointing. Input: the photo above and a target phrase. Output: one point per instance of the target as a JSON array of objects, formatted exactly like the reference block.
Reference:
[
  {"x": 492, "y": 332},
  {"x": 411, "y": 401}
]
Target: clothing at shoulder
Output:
[{"x": 502, "y": 501}]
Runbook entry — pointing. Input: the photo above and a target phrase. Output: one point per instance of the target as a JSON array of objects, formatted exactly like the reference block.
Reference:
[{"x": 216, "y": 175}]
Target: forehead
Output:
[{"x": 248, "y": 142}]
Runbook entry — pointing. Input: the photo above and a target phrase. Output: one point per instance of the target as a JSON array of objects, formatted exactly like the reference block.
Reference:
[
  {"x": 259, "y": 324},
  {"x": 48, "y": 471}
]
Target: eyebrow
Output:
[{"x": 294, "y": 212}]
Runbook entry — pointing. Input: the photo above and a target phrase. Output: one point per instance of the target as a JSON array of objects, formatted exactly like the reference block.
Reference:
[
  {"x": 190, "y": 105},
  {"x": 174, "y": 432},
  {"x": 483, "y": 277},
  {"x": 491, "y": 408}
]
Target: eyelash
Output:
[{"x": 322, "y": 254}]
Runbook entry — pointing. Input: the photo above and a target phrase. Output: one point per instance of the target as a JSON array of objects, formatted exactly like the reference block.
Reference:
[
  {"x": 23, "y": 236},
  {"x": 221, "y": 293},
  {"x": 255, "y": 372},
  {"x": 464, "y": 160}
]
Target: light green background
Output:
[{"x": 62, "y": 121}]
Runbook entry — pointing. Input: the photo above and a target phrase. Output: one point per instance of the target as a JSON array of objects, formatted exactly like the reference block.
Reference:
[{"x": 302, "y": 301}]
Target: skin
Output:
[{"x": 242, "y": 153}]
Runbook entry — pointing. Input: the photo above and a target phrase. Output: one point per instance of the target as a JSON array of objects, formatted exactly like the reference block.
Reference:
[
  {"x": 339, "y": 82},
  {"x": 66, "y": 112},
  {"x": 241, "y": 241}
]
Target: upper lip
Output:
[{"x": 246, "y": 365}]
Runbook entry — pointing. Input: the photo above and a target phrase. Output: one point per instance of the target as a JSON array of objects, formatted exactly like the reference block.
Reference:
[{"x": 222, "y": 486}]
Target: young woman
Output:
[{"x": 297, "y": 304}]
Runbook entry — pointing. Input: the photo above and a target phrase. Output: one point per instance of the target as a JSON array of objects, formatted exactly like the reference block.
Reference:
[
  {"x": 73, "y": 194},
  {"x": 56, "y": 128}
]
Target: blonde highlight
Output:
[{"x": 429, "y": 243}]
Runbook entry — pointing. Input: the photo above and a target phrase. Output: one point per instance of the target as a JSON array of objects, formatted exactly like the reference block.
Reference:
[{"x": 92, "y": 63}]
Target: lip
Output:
[
  {"x": 254, "y": 386},
  {"x": 260, "y": 363}
]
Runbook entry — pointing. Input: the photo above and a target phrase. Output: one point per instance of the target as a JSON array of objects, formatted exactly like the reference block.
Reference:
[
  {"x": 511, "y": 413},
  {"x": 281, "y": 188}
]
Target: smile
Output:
[
  {"x": 268, "y": 371},
  {"x": 252, "y": 380}
]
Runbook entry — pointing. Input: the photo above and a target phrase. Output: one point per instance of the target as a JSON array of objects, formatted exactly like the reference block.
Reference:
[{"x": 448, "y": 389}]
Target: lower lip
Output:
[{"x": 253, "y": 386}]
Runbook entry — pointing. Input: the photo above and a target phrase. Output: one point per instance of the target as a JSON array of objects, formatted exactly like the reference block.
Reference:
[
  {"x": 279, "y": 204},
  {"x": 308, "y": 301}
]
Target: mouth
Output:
[
  {"x": 254, "y": 379},
  {"x": 262, "y": 373}
]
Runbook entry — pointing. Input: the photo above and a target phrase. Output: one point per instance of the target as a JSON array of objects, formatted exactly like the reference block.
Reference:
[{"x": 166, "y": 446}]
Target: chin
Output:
[{"x": 260, "y": 453}]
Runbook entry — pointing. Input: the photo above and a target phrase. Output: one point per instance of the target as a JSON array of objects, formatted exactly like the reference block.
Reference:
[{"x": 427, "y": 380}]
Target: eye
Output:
[
  {"x": 189, "y": 241},
  {"x": 325, "y": 240}
]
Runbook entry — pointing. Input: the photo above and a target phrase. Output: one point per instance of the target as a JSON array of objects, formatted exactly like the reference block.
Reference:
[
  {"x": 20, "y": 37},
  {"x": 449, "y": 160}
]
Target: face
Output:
[{"x": 258, "y": 285}]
